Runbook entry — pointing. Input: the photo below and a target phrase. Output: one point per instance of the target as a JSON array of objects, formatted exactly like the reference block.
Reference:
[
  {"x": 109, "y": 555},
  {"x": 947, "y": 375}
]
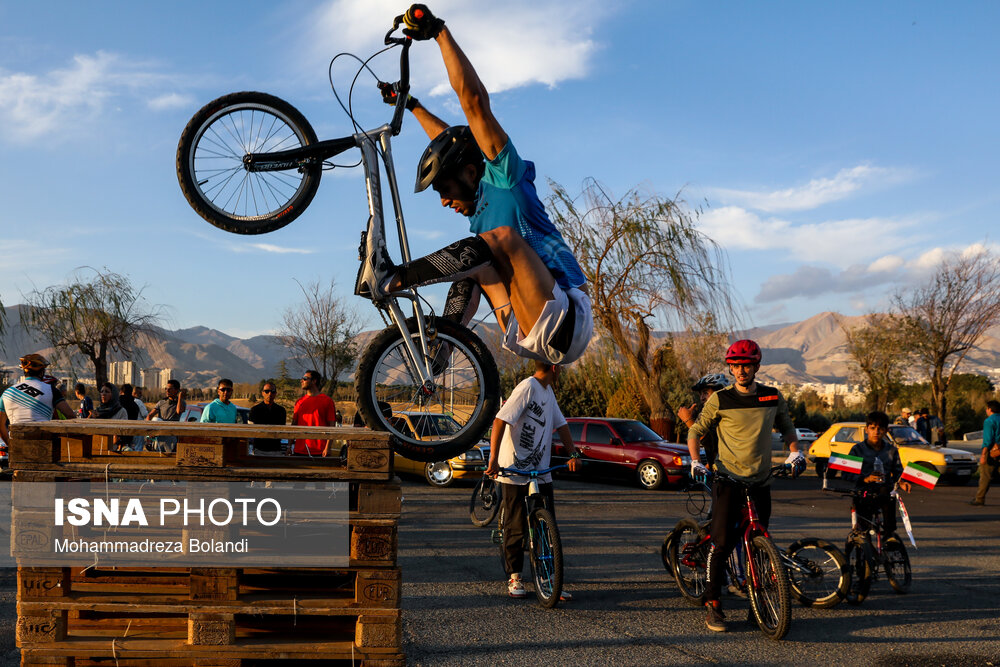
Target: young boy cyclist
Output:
[{"x": 522, "y": 439}]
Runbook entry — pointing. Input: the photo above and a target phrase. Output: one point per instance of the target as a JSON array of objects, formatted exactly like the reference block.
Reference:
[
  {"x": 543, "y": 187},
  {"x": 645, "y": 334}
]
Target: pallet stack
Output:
[{"x": 213, "y": 617}]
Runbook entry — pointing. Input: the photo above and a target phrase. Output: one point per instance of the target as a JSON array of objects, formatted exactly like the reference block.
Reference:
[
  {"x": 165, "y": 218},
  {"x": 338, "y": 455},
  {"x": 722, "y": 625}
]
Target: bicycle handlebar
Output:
[{"x": 403, "y": 87}]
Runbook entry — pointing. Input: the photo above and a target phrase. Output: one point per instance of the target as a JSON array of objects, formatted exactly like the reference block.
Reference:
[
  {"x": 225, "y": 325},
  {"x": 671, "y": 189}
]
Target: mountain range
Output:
[{"x": 812, "y": 350}]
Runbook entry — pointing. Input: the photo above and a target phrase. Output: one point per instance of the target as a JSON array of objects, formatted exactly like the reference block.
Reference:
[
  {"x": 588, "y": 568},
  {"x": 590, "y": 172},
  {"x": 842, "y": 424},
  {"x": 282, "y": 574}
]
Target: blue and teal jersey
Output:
[
  {"x": 507, "y": 197},
  {"x": 218, "y": 412}
]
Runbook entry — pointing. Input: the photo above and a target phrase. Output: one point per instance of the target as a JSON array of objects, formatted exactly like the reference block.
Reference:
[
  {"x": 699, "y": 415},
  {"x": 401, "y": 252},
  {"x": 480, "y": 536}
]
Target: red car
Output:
[{"x": 625, "y": 448}]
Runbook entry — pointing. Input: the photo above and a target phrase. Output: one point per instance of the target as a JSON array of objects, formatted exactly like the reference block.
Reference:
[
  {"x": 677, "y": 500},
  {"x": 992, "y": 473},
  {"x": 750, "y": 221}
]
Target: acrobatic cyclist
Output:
[{"x": 517, "y": 257}]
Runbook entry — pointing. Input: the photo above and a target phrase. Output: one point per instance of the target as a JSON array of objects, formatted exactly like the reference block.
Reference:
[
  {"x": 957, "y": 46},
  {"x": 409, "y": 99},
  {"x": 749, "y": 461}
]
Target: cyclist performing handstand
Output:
[
  {"x": 517, "y": 257},
  {"x": 743, "y": 416}
]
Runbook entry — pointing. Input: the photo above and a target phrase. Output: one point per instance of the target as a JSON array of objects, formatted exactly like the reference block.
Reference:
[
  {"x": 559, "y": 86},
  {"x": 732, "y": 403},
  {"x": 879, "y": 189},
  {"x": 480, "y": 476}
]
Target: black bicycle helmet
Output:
[
  {"x": 449, "y": 150},
  {"x": 715, "y": 381}
]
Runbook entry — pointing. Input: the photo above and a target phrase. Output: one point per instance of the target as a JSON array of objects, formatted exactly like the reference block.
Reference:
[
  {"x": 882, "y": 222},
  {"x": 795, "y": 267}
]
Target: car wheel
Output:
[
  {"x": 439, "y": 474},
  {"x": 650, "y": 474}
]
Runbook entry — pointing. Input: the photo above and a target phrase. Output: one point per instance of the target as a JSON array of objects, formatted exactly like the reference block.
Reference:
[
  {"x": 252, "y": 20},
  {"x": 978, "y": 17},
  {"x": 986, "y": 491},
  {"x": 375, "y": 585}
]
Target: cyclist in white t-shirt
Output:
[
  {"x": 31, "y": 399},
  {"x": 522, "y": 439}
]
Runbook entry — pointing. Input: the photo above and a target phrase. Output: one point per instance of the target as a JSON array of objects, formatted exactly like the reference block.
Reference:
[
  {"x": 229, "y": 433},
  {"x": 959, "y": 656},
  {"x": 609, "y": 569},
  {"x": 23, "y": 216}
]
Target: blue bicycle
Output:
[{"x": 543, "y": 545}]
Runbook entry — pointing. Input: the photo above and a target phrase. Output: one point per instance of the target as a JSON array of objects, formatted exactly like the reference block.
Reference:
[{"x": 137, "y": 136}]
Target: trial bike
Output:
[
  {"x": 542, "y": 542},
  {"x": 868, "y": 550},
  {"x": 767, "y": 581},
  {"x": 250, "y": 163},
  {"x": 817, "y": 570}
]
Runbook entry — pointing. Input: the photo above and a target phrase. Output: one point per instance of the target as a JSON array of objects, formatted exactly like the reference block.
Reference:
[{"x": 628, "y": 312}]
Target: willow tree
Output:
[
  {"x": 94, "y": 314},
  {"x": 647, "y": 264},
  {"x": 946, "y": 317}
]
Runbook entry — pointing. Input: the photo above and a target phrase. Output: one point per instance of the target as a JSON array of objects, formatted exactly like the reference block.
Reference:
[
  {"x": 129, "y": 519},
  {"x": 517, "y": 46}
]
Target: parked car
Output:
[
  {"x": 955, "y": 465},
  {"x": 624, "y": 448},
  {"x": 806, "y": 436},
  {"x": 193, "y": 413},
  {"x": 427, "y": 426}
]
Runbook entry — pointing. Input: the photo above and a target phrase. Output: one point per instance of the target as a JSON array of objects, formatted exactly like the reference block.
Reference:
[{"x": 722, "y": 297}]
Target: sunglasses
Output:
[
  {"x": 267, "y": 391},
  {"x": 306, "y": 378},
  {"x": 225, "y": 388}
]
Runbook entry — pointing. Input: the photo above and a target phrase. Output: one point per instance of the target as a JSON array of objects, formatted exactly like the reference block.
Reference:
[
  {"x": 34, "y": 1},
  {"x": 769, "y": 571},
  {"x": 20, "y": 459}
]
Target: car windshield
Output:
[
  {"x": 906, "y": 434},
  {"x": 633, "y": 431},
  {"x": 435, "y": 425}
]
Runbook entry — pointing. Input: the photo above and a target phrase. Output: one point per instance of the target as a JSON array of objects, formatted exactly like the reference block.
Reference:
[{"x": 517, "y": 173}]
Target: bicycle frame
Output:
[{"x": 372, "y": 143}]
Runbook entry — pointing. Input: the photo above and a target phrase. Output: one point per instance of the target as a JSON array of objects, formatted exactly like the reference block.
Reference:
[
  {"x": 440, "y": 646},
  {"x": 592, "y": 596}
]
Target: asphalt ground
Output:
[{"x": 627, "y": 610}]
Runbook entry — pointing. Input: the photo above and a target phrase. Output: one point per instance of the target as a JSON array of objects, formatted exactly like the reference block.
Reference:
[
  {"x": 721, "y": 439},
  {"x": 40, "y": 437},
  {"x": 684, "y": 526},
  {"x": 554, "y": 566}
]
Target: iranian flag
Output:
[
  {"x": 845, "y": 462},
  {"x": 920, "y": 475}
]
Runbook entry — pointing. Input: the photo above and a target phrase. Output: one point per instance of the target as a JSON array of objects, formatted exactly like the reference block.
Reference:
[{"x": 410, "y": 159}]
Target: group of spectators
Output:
[{"x": 923, "y": 422}]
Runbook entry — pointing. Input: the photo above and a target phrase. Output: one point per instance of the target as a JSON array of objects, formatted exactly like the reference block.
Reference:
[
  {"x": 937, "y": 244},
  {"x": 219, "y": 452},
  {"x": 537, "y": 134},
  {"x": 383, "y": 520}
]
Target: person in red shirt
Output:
[{"x": 313, "y": 409}]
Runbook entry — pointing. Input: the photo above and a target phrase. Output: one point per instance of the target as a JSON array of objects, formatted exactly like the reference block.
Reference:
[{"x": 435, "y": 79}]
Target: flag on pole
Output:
[
  {"x": 920, "y": 475},
  {"x": 845, "y": 463}
]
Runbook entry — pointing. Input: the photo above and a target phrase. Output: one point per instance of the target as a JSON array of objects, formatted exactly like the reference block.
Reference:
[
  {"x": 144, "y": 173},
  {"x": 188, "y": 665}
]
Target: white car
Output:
[{"x": 806, "y": 435}]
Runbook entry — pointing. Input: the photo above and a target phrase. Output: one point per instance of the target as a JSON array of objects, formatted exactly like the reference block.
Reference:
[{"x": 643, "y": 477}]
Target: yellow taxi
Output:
[
  {"x": 955, "y": 465},
  {"x": 427, "y": 426}
]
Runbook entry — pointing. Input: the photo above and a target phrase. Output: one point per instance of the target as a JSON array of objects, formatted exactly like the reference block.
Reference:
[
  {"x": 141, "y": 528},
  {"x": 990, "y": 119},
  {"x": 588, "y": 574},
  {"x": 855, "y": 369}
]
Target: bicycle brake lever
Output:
[{"x": 389, "y": 39}]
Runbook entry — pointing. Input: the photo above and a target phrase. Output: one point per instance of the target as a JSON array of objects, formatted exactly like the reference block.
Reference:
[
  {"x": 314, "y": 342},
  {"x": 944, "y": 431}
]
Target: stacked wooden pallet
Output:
[{"x": 125, "y": 616}]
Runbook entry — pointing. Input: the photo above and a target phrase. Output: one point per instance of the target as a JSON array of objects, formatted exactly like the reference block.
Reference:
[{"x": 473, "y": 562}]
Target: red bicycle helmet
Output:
[{"x": 743, "y": 351}]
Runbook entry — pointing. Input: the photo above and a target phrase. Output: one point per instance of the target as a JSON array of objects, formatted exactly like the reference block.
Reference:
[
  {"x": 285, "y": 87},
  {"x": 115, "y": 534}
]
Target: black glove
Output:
[
  {"x": 421, "y": 23},
  {"x": 389, "y": 96}
]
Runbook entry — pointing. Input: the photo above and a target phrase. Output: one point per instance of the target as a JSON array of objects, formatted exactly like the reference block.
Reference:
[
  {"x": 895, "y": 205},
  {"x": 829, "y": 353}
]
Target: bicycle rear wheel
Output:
[
  {"x": 451, "y": 413},
  {"x": 485, "y": 502},
  {"x": 768, "y": 588},
  {"x": 688, "y": 559},
  {"x": 817, "y": 572},
  {"x": 861, "y": 572},
  {"x": 546, "y": 557},
  {"x": 897, "y": 565},
  {"x": 212, "y": 174}
]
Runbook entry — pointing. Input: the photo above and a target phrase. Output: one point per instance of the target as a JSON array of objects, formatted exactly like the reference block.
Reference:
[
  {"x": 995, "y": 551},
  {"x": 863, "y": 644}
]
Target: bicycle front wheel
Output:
[
  {"x": 485, "y": 502},
  {"x": 861, "y": 571},
  {"x": 451, "y": 413},
  {"x": 546, "y": 557},
  {"x": 897, "y": 565},
  {"x": 688, "y": 559},
  {"x": 818, "y": 573},
  {"x": 214, "y": 178},
  {"x": 768, "y": 588}
]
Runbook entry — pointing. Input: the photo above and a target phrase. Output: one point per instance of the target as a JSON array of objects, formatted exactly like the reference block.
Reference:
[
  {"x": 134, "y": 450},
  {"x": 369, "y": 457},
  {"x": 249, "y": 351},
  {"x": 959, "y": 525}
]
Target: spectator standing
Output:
[
  {"x": 86, "y": 404},
  {"x": 904, "y": 417},
  {"x": 268, "y": 412},
  {"x": 989, "y": 459},
  {"x": 221, "y": 410},
  {"x": 922, "y": 424},
  {"x": 313, "y": 409},
  {"x": 169, "y": 409},
  {"x": 125, "y": 398},
  {"x": 937, "y": 430},
  {"x": 31, "y": 399},
  {"x": 110, "y": 406}
]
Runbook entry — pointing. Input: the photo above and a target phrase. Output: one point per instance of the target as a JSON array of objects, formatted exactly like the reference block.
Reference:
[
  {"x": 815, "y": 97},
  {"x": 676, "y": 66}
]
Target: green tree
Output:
[
  {"x": 879, "y": 352},
  {"x": 645, "y": 262},
  {"x": 93, "y": 314}
]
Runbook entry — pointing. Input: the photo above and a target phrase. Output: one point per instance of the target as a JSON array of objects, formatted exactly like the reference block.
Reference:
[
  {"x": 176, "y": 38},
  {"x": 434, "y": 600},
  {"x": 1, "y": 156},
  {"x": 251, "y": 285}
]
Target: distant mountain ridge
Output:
[{"x": 813, "y": 350}]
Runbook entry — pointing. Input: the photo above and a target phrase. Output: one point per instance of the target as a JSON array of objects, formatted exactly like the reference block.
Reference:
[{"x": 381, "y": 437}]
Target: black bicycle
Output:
[
  {"x": 869, "y": 550},
  {"x": 250, "y": 163}
]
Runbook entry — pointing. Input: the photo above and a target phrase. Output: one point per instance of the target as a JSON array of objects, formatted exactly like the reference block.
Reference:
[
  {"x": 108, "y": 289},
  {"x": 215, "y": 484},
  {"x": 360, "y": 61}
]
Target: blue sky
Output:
[{"x": 837, "y": 149}]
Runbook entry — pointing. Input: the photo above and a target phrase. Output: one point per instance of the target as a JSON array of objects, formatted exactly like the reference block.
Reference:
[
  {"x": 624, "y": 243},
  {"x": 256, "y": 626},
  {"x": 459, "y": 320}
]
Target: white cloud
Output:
[
  {"x": 270, "y": 247},
  {"x": 511, "y": 44},
  {"x": 64, "y": 100},
  {"x": 816, "y": 192},
  {"x": 857, "y": 280},
  {"x": 170, "y": 101},
  {"x": 834, "y": 241}
]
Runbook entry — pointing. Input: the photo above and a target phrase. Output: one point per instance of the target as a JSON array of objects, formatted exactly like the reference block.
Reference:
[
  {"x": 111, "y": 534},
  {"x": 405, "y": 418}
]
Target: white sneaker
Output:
[
  {"x": 565, "y": 596},
  {"x": 515, "y": 587}
]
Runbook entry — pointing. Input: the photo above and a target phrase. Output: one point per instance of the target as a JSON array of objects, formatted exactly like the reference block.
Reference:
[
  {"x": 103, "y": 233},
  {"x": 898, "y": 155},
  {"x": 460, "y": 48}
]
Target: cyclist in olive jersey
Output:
[
  {"x": 743, "y": 416},
  {"x": 31, "y": 399}
]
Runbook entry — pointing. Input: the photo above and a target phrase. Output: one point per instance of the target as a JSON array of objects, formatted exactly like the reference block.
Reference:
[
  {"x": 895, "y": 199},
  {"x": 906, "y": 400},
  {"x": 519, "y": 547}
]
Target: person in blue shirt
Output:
[
  {"x": 517, "y": 257},
  {"x": 221, "y": 410},
  {"x": 989, "y": 458}
]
